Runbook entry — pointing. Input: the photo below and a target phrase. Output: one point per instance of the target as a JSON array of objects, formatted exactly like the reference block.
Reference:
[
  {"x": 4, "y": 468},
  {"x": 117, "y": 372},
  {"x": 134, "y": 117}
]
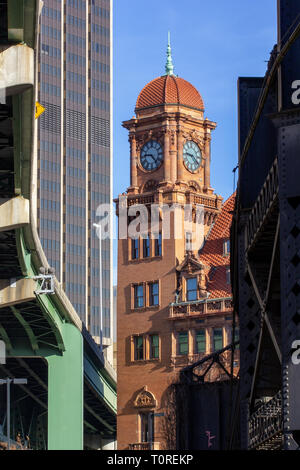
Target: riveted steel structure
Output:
[
  {"x": 266, "y": 243},
  {"x": 71, "y": 390}
]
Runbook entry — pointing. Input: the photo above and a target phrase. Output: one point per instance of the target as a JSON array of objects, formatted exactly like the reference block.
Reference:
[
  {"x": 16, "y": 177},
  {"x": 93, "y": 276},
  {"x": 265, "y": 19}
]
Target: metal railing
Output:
[
  {"x": 200, "y": 307},
  {"x": 139, "y": 199},
  {"x": 263, "y": 203},
  {"x": 266, "y": 424},
  {"x": 140, "y": 446},
  {"x": 191, "y": 359}
]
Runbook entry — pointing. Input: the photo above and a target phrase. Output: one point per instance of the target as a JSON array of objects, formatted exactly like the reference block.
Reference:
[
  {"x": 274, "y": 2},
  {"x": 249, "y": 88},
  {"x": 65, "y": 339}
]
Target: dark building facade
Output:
[
  {"x": 75, "y": 164},
  {"x": 265, "y": 244}
]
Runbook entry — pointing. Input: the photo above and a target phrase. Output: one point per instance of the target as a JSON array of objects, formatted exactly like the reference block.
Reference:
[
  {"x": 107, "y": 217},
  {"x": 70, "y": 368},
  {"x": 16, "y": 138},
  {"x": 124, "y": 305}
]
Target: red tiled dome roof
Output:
[{"x": 169, "y": 89}]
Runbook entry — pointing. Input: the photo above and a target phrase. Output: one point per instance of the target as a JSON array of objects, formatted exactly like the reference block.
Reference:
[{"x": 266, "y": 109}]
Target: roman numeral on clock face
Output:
[
  {"x": 151, "y": 155},
  {"x": 191, "y": 156}
]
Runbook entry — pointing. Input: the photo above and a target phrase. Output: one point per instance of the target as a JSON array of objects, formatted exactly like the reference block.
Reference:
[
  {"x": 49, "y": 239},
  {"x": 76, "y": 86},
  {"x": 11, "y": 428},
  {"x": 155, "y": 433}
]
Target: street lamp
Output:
[
  {"x": 8, "y": 381},
  {"x": 98, "y": 227}
]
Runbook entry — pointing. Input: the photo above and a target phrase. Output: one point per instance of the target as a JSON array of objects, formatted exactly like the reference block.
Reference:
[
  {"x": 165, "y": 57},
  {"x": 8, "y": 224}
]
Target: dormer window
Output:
[
  {"x": 191, "y": 289},
  {"x": 226, "y": 247}
]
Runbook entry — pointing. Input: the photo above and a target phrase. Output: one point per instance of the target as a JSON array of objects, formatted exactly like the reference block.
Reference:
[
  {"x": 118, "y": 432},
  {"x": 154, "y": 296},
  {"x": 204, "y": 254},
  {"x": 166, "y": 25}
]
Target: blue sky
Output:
[{"x": 213, "y": 43}]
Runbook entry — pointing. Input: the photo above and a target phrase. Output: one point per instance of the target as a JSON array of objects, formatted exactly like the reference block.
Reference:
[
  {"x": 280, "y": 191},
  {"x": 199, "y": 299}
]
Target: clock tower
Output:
[
  {"x": 170, "y": 152},
  {"x": 169, "y": 137}
]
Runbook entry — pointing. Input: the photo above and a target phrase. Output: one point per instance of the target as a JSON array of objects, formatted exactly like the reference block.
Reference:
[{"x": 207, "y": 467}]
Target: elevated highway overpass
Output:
[{"x": 70, "y": 399}]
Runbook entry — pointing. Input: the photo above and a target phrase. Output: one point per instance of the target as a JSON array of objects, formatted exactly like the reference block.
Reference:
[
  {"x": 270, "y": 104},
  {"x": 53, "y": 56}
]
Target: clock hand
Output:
[
  {"x": 148, "y": 155},
  {"x": 190, "y": 155}
]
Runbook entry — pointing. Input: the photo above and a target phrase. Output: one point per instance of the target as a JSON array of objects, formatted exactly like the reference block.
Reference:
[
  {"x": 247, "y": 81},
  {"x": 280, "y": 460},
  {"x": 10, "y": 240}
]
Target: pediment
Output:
[
  {"x": 190, "y": 264},
  {"x": 145, "y": 399}
]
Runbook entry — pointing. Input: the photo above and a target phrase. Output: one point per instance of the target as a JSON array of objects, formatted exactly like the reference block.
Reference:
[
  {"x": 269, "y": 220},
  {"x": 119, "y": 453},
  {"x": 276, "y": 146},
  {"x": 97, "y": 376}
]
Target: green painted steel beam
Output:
[
  {"x": 53, "y": 317},
  {"x": 65, "y": 393},
  {"x": 32, "y": 373},
  {"x": 15, "y": 17},
  {"x": 27, "y": 328},
  {"x": 6, "y": 339},
  {"x": 89, "y": 426},
  {"x": 20, "y": 349},
  {"x": 47, "y": 306},
  {"x": 25, "y": 388},
  {"x": 101, "y": 385},
  {"x": 99, "y": 418}
]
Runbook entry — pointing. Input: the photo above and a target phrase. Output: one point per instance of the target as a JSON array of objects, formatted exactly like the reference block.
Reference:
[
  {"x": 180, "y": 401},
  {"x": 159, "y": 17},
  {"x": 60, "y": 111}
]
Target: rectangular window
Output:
[
  {"x": 158, "y": 245},
  {"x": 147, "y": 427},
  {"x": 153, "y": 294},
  {"x": 139, "y": 296},
  {"x": 154, "y": 347},
  {"x": 183, "y": 343},
  {"x": 218, "y": 338},
  {"x": 191, "y": 289},
  {"x": 146, "y": 247},
  {"x": 134, "y": 248},
  {"x": 138, "y": 348},
  {"x": 200, "y": 341}
]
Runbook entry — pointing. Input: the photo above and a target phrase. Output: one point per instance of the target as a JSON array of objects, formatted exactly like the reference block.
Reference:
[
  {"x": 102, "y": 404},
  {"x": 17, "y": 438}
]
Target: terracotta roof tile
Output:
[
  {"x": 212, "y": 255},
  {"x": 169, "y": 89}
]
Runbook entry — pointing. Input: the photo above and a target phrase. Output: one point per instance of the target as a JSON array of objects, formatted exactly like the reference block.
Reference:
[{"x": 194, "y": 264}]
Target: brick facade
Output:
[{"x": 174, "y": 304}]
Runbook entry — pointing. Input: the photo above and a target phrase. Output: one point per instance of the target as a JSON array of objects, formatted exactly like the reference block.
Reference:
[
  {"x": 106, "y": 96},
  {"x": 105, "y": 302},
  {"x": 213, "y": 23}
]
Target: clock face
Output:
[
  {"x": 151, "y": 155},
  {"x": 191, "y": 156}
]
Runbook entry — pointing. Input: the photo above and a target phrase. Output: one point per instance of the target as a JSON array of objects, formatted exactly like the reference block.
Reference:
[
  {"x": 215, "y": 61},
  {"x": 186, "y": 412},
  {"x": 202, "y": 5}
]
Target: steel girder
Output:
[{"x": 266, "y": 247}]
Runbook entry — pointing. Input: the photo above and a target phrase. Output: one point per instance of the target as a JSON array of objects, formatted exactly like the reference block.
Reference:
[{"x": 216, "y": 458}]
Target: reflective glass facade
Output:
[{"x": 74, "y": 150}]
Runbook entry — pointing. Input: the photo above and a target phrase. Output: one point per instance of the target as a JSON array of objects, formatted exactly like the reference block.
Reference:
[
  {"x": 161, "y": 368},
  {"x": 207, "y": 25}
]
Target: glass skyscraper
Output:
[{"x": 75, "y": 163}]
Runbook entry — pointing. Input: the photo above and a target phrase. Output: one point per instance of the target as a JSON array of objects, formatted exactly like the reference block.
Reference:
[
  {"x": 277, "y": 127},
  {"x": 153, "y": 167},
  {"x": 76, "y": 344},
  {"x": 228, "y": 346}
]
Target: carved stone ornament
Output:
[
  {"x": 194, "y": 186},
  {"x": 173, "y": 137},
  {"x": 150, "y": 185},
  {"x": 190, "y": 264},
  {"x": 195, "y": 137},
  {"x": 145, "y": 399}
]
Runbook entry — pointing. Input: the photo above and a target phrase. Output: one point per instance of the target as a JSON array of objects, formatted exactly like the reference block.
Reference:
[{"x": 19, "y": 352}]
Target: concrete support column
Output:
[
  {"x": 65, "y": 393},
  {"x": 180, "y": 140},
  {"x": 167, "y": 157},
  {"x": 207, "y": 162},
  {"x": 133, "y": 160},
  {"x": 109, "y": 444}
]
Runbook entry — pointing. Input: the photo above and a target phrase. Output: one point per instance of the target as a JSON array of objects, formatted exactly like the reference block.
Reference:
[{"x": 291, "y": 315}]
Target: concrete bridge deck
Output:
[{"x": 70, "y": 399}]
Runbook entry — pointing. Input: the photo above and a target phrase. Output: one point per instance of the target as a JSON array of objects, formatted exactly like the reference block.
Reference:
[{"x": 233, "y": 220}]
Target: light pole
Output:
[
  {"x": 99, "y": 233},
  {"x": 8, "y": 381}
]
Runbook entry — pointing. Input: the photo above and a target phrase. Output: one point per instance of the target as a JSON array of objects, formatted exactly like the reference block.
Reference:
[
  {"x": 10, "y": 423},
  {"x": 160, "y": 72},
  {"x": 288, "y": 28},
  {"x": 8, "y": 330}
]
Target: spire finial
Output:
[{"x": 169, "y": 64}]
